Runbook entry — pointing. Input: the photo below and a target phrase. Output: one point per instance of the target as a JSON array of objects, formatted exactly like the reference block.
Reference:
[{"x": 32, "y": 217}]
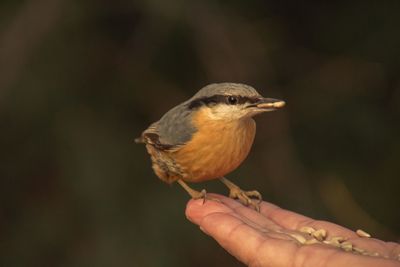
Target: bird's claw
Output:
[
  {"x": 203, "y": 195},
  {"x": 197, "y": 194},
  {"x": 247, "y": 198}
]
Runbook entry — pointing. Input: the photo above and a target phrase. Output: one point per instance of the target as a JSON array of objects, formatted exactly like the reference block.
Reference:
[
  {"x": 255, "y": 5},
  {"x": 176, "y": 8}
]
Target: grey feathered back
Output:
[{"x": 175, "y": 127}]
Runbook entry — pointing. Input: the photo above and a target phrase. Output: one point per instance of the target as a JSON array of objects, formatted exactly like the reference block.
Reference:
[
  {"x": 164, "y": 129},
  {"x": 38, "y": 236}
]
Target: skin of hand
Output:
[{"x": 261, "y": 239}]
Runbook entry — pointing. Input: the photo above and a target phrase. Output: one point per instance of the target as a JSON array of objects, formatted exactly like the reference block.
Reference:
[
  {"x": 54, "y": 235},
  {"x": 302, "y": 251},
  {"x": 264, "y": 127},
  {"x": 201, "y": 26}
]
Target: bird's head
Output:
[{"x": 232, "y": 101}]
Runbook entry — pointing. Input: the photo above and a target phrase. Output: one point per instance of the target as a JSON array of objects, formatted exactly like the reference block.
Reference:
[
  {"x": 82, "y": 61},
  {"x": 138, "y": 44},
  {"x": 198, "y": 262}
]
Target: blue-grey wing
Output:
[{"x": 173, "y": 130}]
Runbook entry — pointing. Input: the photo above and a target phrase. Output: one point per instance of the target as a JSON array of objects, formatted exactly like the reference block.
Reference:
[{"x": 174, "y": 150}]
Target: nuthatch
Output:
[{"x": 207, "y": 137}]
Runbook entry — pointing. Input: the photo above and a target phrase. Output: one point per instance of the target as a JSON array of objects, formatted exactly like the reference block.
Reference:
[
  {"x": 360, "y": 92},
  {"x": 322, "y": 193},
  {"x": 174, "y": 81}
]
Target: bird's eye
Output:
[{"x": 232, "y": 100}]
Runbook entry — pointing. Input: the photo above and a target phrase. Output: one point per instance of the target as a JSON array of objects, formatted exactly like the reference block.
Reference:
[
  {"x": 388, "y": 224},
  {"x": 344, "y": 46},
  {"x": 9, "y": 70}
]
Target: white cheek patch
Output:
[{"x": 227, "y": 112}]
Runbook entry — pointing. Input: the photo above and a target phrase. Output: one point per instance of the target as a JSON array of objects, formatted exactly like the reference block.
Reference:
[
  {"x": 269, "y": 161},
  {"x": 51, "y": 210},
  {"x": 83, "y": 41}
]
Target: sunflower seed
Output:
[
  {"x": 311, "y": 241},
  {"x": 347, "y": 246},
  {"x": 332, "y": 242},
  {"x": 362, "y": 233},
  {"x": 301, "y": 239},
  {"x": 320, "y": 234},
  {"x": 358, "y": 250},
  {"x": 307, "y": 230}
]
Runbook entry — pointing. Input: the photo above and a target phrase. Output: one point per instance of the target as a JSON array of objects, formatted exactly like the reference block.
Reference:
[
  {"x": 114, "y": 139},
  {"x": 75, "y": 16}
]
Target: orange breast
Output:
[{"x": 216, "y": 149}]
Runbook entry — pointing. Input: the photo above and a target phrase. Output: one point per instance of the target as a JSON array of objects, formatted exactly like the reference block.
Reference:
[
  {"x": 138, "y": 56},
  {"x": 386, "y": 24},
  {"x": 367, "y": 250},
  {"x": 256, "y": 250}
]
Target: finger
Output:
[
  {"x": 196, "y": 209},
  {"x": 273, "y": 217},
  {"x": 295, "y": 221},
  {"x": 251, "y": 215},
  {"x": 286, "y": 218},
  {"x": 237, "y": 237}
]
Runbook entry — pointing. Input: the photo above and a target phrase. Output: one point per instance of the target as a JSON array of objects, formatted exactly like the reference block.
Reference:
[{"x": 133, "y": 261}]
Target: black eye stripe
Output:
[{"x": 218, "y": 99}]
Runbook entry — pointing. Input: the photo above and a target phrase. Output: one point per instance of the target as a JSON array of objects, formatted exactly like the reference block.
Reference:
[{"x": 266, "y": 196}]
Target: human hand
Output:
[{"x": 272, "y": 237}]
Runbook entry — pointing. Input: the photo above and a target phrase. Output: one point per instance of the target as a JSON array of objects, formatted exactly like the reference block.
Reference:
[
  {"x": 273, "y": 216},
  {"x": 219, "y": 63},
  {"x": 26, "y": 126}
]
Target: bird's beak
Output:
[{"x": 268, "y": 104}]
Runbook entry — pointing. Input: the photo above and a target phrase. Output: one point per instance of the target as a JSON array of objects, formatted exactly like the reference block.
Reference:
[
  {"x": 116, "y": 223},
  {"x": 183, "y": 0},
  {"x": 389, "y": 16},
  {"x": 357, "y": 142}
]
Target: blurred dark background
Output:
[{"x": 79, "y": 80}]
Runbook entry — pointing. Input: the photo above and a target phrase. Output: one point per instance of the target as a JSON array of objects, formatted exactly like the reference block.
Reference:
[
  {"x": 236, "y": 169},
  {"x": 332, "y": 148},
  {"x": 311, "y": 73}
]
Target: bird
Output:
[{"x": 207, "y": 137}]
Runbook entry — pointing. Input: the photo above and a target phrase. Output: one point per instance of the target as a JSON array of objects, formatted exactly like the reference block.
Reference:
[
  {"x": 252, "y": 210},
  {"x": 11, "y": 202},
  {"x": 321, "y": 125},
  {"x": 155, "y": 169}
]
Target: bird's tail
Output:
[{"x": 139, "y": 140}]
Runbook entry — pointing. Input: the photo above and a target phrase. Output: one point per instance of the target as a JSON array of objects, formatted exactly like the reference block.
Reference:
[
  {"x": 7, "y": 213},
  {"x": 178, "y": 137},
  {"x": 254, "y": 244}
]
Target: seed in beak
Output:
[{"x": 277, "y": 104}]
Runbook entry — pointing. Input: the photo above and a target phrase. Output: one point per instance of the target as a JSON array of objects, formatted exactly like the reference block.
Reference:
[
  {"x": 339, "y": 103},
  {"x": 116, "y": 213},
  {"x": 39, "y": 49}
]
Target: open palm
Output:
[{"x": 272, "y": 237}]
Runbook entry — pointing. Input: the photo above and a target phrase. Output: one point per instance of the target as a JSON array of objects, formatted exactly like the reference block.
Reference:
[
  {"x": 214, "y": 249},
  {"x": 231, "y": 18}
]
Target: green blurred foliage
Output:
[{"x": 79, "y": 80}]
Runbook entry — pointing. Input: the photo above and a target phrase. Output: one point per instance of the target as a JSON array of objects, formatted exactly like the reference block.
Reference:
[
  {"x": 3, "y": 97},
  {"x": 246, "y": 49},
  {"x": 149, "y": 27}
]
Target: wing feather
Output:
[
  {"x": 172, "y": 131},
  {"x": 151, "y": 136}
]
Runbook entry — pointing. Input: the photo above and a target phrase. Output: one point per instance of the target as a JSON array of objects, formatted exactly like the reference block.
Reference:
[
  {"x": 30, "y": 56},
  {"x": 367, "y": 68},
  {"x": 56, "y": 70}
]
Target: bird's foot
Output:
[
  {"x": 248, "y": 198},
  {"x": 203, "y": 195},
  {"x": 197, "y": 194}
]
